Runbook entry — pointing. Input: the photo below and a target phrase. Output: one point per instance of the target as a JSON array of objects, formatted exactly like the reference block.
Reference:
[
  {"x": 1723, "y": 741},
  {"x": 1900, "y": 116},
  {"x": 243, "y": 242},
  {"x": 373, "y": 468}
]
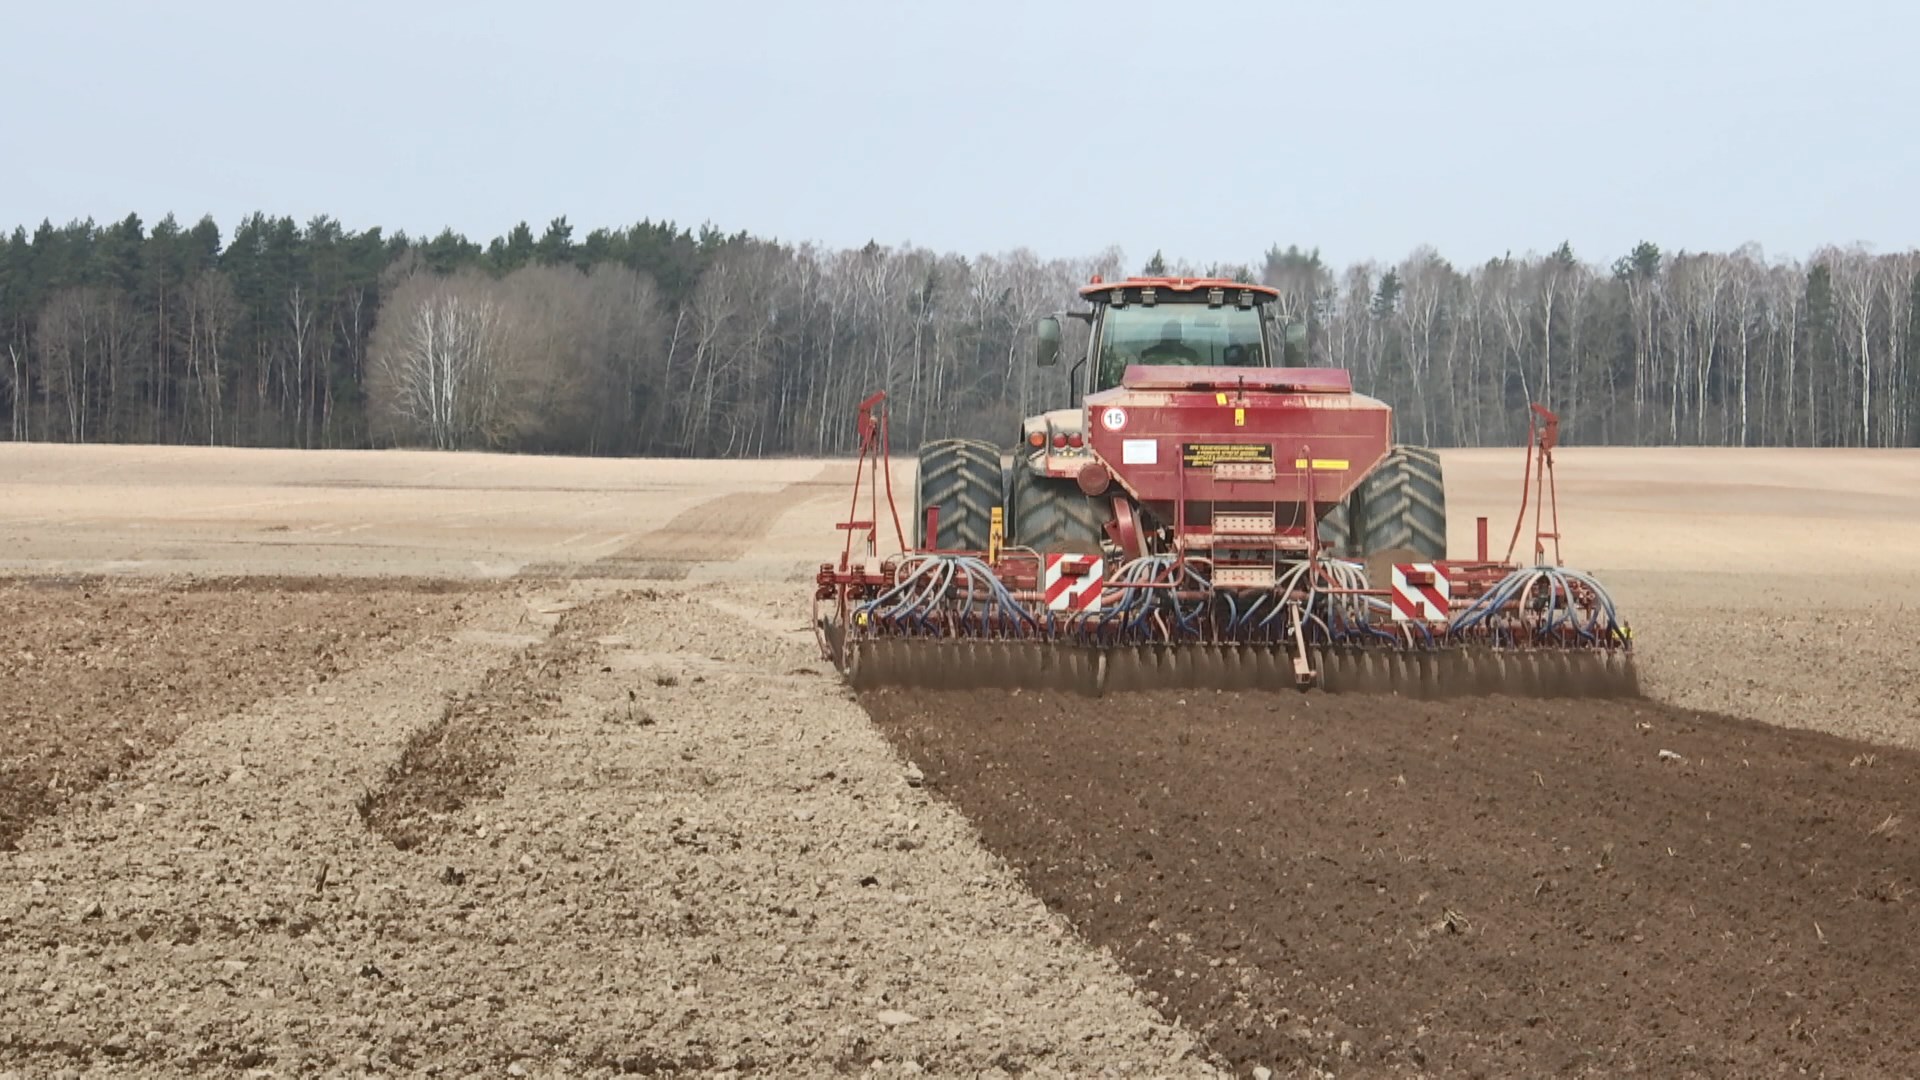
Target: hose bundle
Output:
[
  {"x": 1546, "y": 604},
  {"x": 940, "y": 593}
]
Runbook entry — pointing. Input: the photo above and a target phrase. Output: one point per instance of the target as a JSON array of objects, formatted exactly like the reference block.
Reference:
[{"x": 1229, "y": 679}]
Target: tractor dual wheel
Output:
[
  {"x": 1402, "y": 506},
  {"x": 1053, "y": 515},
  {"x": 962, "y": 478}
]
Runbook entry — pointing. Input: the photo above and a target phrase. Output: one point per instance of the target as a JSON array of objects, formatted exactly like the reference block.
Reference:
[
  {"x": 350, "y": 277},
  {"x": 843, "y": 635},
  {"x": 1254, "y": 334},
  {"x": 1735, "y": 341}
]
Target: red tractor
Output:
[
  {"x": 1198, "y": 518},
  {"x": 1188, "y": 428}
]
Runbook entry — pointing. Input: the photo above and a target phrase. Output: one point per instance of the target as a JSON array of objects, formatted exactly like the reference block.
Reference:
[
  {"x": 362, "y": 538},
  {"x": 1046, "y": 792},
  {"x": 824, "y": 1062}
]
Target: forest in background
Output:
[{"x": 659, "y": 340}]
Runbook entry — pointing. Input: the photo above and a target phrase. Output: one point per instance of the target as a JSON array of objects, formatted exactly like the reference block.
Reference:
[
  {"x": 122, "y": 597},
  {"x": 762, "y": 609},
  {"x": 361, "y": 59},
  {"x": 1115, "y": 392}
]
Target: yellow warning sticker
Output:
[
  {"x": 1321, "y": 464},
  {"x": 1207, "y": 455}
]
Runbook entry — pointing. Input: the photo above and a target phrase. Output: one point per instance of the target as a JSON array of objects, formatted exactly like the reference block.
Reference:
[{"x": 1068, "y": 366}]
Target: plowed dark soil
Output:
[
  {"x": 97, "y": 674},
  {"x": 1490, "y": 886}
]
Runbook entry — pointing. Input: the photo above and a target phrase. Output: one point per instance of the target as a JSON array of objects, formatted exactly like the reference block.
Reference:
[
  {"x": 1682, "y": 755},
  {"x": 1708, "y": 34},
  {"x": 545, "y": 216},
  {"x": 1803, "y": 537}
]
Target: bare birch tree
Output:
[{"x": 438, "y": 364}]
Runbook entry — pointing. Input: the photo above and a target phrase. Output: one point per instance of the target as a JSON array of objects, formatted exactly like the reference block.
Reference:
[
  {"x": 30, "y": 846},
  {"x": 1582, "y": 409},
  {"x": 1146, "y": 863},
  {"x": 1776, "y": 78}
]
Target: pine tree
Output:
[
  {"x": 1820, "y": 356},
  {"x": 1386, "y": 295},
  {"x": 516, "y": 250}
]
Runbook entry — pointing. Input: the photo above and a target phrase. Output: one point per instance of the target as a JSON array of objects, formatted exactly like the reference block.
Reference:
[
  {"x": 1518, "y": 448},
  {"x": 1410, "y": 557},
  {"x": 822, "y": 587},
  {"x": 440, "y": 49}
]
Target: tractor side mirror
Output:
[
  {"x": 1293, "y": 344},
  {"x": 1046, "y": 342}
]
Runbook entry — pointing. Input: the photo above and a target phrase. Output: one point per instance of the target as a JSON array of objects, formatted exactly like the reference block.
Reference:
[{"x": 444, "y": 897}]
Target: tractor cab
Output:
[{"x": 1170, "y": 322}]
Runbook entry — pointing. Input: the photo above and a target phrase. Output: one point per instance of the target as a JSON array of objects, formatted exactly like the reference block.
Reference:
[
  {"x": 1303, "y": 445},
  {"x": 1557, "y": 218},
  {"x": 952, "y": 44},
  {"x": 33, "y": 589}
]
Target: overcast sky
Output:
[{"x": 1207, "y": 130}]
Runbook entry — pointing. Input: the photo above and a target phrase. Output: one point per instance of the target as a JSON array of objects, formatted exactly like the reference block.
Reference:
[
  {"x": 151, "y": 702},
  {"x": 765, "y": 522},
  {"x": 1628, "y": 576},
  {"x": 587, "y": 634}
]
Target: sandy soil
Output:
[
  {"x": 1780, "y": 585},
  {"x": 590, "y": 805},
  {"x": 172, "y": 510},
  {"x": 610, "y": 817}
]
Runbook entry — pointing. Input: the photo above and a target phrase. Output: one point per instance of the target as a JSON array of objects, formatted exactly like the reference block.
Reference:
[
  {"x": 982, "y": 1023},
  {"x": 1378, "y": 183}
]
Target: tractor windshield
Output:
[{"x": 1178, "y": 334}]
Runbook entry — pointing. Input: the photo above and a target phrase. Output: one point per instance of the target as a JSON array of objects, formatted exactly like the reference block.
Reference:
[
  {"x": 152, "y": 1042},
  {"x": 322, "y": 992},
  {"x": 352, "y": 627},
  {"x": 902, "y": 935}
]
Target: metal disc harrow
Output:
[
  {"x": 1095, "y": 670},
  {"x": 950, "y": 622}
]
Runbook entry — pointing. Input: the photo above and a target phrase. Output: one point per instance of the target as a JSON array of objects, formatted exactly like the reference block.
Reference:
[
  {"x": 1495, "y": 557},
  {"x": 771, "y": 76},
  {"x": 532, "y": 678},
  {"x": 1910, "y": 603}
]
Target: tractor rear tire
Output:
[
  {"x": 1336, "y": 530},
  {"x": 1402, "y": 506},
  {"x": 962, "y": 478},
  {"x": 1053, "y": 516}
]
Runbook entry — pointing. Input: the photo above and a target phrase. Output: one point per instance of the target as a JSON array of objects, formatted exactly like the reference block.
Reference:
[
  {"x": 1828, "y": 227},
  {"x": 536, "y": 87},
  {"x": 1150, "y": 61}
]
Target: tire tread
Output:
[
  {"x": 1403, "y": 504},
  {"x": 962, "y": 478},
  {"x": 1052, "y": 515}
]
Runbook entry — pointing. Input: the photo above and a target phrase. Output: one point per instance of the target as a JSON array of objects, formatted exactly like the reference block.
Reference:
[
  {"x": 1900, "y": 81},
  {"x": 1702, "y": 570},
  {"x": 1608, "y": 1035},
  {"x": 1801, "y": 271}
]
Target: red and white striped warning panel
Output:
[
  {"x": 1073, "y": 582},
  {"x": 1419, "y": 593}
]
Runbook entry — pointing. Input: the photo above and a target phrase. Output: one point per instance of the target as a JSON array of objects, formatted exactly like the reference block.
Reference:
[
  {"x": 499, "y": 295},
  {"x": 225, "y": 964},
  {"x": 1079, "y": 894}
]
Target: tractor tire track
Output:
[
  {"x": 452, "y": 762},
  {"x": 721, "y": 529}
]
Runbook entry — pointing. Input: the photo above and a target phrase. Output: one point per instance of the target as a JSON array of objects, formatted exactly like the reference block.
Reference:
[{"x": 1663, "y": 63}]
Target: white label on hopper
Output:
[{"x": 1139, "y": 451}]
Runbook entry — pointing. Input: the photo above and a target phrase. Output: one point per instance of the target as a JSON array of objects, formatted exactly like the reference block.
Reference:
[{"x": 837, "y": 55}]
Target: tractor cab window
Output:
[{"x": 1178, "y": 334}]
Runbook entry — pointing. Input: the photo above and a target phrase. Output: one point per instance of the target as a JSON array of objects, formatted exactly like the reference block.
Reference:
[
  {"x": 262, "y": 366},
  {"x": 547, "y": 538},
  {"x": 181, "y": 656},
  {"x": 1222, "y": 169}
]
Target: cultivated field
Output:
[{"x": 319, "y": 763}]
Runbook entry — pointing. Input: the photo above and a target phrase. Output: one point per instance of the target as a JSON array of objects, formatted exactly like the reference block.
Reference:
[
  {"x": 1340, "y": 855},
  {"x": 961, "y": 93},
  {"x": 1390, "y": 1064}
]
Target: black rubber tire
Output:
[
  {"x": 962, "y": 478},
  {"x": 1402, "y": 505},
  {"x": 1052, "y": 515},
  {"x": 1336, "y": 530}
]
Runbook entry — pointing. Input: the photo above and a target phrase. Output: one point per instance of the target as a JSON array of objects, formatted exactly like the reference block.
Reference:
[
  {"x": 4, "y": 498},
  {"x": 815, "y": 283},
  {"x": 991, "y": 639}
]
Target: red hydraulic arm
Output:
[
  {"x": 872, "y": 427},
  {"x": 1543, "y": 434}
]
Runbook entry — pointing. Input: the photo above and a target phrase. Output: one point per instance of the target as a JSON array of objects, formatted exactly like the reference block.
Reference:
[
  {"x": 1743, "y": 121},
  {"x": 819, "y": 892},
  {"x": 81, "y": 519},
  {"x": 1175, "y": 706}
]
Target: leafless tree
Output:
[
  {"x": 1857, "y": 290},
  {"x": 438, "y": 363},
  {"x": 211, "y": 311},
  {"x": 20, "y": 428}
]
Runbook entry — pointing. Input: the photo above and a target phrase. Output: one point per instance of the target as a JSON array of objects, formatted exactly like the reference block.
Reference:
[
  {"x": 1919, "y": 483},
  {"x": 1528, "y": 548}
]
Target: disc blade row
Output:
[{"x": 960, "y": 665}]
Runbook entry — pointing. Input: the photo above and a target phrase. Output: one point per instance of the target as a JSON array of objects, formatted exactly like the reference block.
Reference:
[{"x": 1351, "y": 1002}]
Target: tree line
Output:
[{"x": 666, "y": 341}]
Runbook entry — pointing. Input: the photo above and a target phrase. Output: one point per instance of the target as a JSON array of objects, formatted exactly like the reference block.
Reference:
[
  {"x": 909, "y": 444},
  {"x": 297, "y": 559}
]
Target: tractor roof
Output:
[{"x": 1101, "y": 292}]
